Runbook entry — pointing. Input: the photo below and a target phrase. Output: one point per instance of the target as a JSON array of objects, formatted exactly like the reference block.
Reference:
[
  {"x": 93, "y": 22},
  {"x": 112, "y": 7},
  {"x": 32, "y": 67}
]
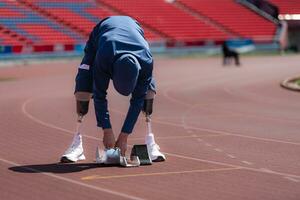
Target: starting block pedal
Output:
[
  {"x": 113, "y": 157},
  {"x": 141, "y": 151}
]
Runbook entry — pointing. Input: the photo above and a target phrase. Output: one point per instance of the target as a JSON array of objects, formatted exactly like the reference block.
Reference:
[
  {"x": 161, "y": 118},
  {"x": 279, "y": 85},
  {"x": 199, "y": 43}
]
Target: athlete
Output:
[{"x": 116, "y": 50}]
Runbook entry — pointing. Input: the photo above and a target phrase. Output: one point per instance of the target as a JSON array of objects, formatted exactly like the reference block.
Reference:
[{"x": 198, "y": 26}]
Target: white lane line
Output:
[
  {"x": 69, "y": 132},
  {"x": 64, "y": 131},
  {"x": 230, "y": 156},
  {"x": 218, "y": 150},
  {"x": 266, "y": 170},
  {"x": 292, "y": 179},
  {"x": 94, "y": 177},
  {"x": 224, "y": 133},
  {"x": 230, "y": 91},
  {"x": 247, "y": 162},
  {"x": 262, "y": 170},
  {"x": 199, "y": 139},
  {"x": 100, "y": 189},
  {"x": 175, "y": 155},
  {"x": 207, "y": 144}
]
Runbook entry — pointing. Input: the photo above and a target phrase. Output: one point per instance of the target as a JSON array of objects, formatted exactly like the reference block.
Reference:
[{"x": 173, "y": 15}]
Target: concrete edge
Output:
[{"x": 290, "y": 85}]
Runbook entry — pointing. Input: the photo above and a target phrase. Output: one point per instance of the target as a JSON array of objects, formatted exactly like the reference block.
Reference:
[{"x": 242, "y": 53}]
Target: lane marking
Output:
[
  {"x": 191, "y": 107},
  {"x": 261, "y": 170},
  {"x": 207, "y": 144},
  {"x": 177, "y": 155},
  {"x": 225, "y": 133},
  {"x": 24, "y": 105},
  {"x": 218, "y": 150},
  {"x": 202, "y": 160},
  {"x": 64, "y": 131},
  {"x": 247, "y": 162},
  {"x": 266, "y": 170},
  {"x": 100, "y": 189},
  {"x": 231, "y": 92},
  {"x": 230, "y": 156},
  {"x": 169, "y": 137},
  {"x": 94, "y": 177},
  {"x": 177, "y": 137},
  {"x": 292, "y": 179}
]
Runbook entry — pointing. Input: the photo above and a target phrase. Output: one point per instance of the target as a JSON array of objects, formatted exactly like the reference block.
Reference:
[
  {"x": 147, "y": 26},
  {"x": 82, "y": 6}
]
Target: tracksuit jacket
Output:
[{"x": 111, "y": 38}]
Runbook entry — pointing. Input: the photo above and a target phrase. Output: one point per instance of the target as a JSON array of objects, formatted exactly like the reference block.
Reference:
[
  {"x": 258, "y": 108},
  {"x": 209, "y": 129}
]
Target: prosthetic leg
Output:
[
  {"x": 75, "y": 151},
  {"x": 152, "y": 146}
]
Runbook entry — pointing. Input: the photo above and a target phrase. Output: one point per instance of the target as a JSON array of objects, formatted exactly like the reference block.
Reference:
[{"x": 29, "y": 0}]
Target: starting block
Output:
[
  {"x": 141, "y": 151},
  {"x": 139, "y": 156},
  {"x": 113, "y": 157}
]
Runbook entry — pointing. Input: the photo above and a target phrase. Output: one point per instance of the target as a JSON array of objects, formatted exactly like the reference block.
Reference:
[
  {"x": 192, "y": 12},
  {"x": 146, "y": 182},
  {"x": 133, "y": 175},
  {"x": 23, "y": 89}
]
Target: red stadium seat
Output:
[
  {"x": 46, "y": 35},
  {"x": 182, "y": 21},
  {"x": 167, "y": 19},
  {"x": 234, "y": 17}
]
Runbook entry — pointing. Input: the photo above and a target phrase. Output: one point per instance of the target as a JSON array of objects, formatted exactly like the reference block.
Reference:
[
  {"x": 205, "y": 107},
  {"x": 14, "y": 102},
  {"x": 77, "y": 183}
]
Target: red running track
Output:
[{"x": 229, "y": 133}]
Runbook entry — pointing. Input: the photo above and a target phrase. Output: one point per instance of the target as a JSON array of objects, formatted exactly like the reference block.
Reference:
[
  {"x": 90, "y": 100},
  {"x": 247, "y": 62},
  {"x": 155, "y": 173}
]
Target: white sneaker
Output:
[
  {"x": 75, "y": 151},
  {"x": 153, "y": 149}
]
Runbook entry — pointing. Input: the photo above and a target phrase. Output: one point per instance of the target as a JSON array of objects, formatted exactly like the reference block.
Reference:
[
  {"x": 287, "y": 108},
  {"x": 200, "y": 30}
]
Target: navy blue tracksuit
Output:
[{"x": 110, "y": 39}]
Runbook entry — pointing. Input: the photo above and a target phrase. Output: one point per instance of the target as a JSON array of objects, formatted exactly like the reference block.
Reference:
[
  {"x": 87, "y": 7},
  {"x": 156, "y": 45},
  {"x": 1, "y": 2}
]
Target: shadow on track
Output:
[{"x": 57, "y": 168}]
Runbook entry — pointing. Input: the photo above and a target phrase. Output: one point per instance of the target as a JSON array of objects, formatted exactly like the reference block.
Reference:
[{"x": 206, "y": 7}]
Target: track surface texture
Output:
[{"x": 229, "y": 133}]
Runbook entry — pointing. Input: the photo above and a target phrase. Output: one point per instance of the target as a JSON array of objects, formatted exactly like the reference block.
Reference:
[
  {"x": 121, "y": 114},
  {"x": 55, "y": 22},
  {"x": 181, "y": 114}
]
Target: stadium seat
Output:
[
  {"x": 234, "y": 17},
  {"x": 179, "y": 22},
  {"x": 167, "y": 19},
  {"x": 33, "y": 26}
]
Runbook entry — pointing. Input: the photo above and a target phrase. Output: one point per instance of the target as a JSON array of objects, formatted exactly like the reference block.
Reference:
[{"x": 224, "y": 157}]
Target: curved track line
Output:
[
  {"x": 171, "y": 154},
  {"x": 230, "y": 92},
  {"x": 94, "y": 177},
  {"x": 69, "y": 132},
  {"x": 100, "y": 189},
  {"x": 224, "y": 133},
  {"x": 26, "y": 113},
  {"x": 220, "y": 131},
  {"x": 234, "y": 166}
]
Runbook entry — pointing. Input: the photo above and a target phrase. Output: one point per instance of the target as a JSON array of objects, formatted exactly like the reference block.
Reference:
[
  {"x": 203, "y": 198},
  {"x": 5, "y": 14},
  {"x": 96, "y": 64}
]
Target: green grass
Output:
[{"x": 297, "y": 82}]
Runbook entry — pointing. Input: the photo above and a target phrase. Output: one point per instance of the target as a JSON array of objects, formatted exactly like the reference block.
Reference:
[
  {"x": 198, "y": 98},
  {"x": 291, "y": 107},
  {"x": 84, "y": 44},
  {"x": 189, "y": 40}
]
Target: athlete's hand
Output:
[
  {"x": 122, "y": 143},
  {"x": 108, "y": 138}
]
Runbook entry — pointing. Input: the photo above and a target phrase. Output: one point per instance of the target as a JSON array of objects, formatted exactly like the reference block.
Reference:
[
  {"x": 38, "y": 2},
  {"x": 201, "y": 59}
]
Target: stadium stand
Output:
[
  {"x": 287, "y": 7},
  {"x": 8, "y": 37},
  {"x": 166, "y": 22},
  {"x": 101, "y": 12},
  {"x": 35, "y": 27},
  {"x": 167, "y": 19},
  {"x": 234, "y": 17},
  {"x": 81, "y": 16},
  {"x": 68, "y": 13}
]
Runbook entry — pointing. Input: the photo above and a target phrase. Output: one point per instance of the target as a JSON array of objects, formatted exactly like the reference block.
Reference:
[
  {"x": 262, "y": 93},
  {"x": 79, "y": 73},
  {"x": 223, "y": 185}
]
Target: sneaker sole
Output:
[
  {"x": 159, "y": 159},
  {"x": 65, "y": 159}
]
